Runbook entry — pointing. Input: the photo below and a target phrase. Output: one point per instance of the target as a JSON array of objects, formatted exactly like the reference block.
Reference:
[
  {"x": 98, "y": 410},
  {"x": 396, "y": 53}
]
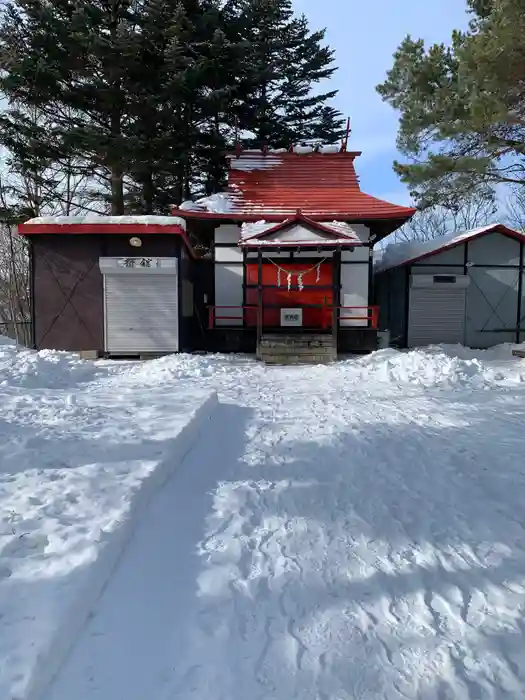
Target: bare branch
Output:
[{"x": 439, "y": 221}]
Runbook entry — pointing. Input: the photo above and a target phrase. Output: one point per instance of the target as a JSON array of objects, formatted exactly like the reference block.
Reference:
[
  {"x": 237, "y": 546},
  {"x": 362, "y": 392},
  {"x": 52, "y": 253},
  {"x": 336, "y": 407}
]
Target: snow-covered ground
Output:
[
  {"x": 79, "y": 457},
  {"x": 346, "y": 532}
]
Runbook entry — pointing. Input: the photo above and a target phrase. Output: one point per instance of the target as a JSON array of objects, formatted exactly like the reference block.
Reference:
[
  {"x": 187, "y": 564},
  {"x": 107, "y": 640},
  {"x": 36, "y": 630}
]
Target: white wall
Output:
[
  {"x": 228, "y": 254},
  {"x": 354, "y": 285},
  {"x": 227, "y": 233},
  {"x": 228, "y": 276},
  {"x": 296, "y": 233},
  {"x": 361, "y": 231}
]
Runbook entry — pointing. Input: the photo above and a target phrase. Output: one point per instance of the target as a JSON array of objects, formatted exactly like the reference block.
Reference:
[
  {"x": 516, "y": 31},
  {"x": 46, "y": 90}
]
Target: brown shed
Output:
[{"x": 111, "y": 285}]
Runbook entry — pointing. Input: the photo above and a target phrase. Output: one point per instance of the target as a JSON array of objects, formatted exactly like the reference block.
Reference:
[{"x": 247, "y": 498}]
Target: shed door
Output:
[
  {"x": 437, "y": 310},
  {"x": 141, "y": 313}
]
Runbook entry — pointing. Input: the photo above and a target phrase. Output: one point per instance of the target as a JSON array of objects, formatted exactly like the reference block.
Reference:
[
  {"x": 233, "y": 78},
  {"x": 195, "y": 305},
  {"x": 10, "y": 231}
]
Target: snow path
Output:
[
  {"x": 137, "y": 619},
  {"x": 80, "y": 456},
  {"x": 331, "y": 538}
]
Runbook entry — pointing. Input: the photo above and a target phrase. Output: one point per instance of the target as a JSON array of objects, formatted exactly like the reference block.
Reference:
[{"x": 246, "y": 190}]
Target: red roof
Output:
[
  {"x": 95, "y": 224},
  {"x": 323, "y": 186}
]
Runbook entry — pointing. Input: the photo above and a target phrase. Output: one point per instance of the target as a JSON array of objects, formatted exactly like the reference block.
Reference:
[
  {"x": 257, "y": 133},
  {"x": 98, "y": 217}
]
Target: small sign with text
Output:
[{"x": 291, "y": 317}]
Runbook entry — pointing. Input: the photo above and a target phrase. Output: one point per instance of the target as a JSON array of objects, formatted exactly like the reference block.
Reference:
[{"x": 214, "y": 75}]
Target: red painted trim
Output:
[
  {"x": 298, "y": 218},
  {"x": 497, "y": 228},
  {"x": 251, "y": 218},
  {"x": 300, "y": 244},
  {"x": 187, "y": 243},
  {"x": 122, "y": 229},
  {"x": 372, "y": 314}
]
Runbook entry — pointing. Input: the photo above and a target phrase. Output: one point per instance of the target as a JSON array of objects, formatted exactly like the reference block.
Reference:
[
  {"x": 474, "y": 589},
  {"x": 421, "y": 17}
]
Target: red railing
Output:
[
  {"x": 213, "y": 317},
  {"x": 371, "y": 314}
]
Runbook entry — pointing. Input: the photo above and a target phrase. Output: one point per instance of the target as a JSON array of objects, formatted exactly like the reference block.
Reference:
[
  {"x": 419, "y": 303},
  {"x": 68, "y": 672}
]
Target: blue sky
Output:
[{"x": 365, "y": 35}]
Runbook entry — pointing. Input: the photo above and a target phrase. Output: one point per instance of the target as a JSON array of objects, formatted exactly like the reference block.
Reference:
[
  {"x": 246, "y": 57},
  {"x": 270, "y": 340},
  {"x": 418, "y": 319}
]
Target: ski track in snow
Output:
[{"x": 350, "y": 532}]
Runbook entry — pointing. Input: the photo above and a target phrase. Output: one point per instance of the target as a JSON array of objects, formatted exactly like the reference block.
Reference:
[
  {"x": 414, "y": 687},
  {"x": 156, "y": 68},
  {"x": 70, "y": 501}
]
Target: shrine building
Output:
[{"x": 282, "y": 257}]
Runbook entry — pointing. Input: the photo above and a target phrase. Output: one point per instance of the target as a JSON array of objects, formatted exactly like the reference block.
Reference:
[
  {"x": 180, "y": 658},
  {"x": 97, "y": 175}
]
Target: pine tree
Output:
[
  {"x": 145, "y": 96},
  {"x": 283, "y": 62},
  {"x": 181, "y": 91},
  {"x": 462, "y": 107},
  {"x": 70, "y": 61}
]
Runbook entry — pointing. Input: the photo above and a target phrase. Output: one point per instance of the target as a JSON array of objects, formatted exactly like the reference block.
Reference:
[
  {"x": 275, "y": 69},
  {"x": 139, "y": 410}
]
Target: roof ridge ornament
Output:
[
  {"x": 344, "y": 142},
  {"x": 238, "y": 145}
]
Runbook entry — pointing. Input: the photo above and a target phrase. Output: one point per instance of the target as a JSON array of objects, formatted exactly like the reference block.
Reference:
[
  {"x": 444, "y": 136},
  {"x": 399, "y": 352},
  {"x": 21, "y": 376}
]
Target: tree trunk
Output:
[
  {"x": 117, "y": 191},
  {"x": 116, "y": 111},
  {"x": 148, "y": 194}
]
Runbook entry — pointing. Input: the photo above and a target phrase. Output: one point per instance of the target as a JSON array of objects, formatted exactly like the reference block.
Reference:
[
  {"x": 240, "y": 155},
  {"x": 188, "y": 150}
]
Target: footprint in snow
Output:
[
  {"x": 5, "y": 572},
  {"x": 25, "y": 544}
]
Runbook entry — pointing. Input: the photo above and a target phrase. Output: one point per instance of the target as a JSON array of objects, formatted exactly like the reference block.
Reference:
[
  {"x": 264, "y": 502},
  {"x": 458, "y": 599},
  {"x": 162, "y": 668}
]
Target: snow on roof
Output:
[
  {"x": 313, "y": 146},
  {"x": 151, "y": 220},
  {"x": 397, "y": 254},
  {"x": 252, "y": 230},
  {"x": 255, "y": 228},
  {"x": 319, "y": 183},
  {"x": 219, "y": 203},
  {"x": 322, "y": 184},
  {"x": 329, "y": 148},
  {"x": 303, "y": 148},
  {"x": 342, "y": 227},
  {"x": 254, "y": 160}
]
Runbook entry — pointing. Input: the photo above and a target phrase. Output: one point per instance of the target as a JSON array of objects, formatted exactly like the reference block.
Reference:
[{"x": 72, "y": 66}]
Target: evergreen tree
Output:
[
  {"x": 175, "y": 88},
  {"x": 70, "y": 60},
  {"x": 283, "y": 62},
  {"x": 146, "y": 95},
  {"x": 462, "y": 107}
]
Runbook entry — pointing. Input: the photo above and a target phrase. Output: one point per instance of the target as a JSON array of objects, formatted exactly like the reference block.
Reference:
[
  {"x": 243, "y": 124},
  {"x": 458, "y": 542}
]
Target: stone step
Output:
[
  {"x": 297, "y": 359},
  {"x": 299, "y": 347},
  {"x": 289, "y": 350},
  {"x": 296, "y": 348},
  {"x": 297, "y": 337},
  {"x": 298, "y": 343}
]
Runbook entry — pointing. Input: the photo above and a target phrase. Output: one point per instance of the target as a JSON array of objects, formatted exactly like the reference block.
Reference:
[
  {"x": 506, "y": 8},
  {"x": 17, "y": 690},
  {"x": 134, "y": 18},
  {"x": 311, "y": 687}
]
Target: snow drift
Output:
[{"x": 445, "y": 366}]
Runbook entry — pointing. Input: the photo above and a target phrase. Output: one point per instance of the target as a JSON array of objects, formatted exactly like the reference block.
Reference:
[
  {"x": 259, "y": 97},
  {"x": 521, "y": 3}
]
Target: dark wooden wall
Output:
[{"x": 68, "y": 312}]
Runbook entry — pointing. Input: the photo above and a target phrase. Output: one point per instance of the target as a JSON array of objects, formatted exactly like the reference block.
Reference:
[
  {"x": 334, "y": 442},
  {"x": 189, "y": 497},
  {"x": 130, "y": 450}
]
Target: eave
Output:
[{"x": 136, "y": 229}]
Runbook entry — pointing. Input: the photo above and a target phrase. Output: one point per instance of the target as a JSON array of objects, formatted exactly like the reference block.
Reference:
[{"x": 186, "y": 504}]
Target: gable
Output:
[{"x": 298, "y": 233}]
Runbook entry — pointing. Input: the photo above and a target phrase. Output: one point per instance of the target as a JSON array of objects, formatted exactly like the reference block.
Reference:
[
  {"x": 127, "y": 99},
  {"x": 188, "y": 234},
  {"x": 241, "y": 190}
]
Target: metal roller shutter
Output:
[
  {"x": 436, "y": 315},
  {"x": 141, "y": 313}
]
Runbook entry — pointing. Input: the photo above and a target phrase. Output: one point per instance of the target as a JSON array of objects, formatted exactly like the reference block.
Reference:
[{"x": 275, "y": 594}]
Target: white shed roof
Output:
[
  {"x": 146, "y": 219},
  {"x": 406, "y": 252}
]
